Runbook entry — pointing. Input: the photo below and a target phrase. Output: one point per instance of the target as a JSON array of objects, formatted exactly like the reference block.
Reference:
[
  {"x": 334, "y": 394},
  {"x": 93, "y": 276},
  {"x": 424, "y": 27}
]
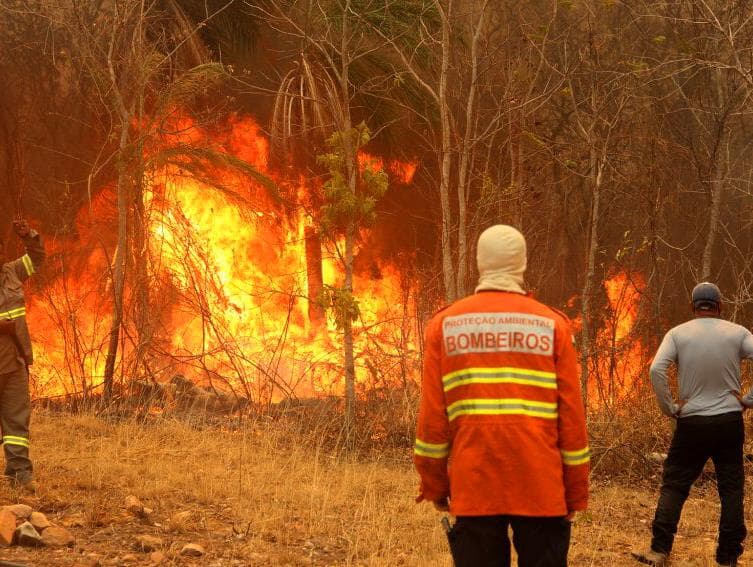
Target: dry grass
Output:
[{"x": 290, "y": 503}]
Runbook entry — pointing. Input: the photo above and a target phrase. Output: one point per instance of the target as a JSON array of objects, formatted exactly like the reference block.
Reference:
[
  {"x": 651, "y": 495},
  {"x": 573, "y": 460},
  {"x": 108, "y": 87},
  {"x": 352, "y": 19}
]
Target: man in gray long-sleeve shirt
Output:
[{"x": 707, "y": 351}]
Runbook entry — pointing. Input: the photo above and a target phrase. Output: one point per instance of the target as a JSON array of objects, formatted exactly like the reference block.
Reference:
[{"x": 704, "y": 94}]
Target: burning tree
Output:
[
  {"x": 321, "y": 96},
  {"x": 139, "y": 80}
]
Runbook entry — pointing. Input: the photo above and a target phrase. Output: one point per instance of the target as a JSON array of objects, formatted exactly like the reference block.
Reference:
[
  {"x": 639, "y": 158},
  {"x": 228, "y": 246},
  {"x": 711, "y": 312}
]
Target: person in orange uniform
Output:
[
  {"x": 16, "y": 357},
  {"x": 501, "y": 436}
]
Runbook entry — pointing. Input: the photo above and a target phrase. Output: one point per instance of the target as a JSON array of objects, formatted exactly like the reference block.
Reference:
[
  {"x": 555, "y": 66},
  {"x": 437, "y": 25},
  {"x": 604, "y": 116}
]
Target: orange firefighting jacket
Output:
[
  {"x": 12, "y": 301},
  {"x": 501, "y": 426}
]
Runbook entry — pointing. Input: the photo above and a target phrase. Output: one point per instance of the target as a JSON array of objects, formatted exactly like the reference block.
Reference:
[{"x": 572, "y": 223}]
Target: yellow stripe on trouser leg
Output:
[{"x": 13, "y": 440}]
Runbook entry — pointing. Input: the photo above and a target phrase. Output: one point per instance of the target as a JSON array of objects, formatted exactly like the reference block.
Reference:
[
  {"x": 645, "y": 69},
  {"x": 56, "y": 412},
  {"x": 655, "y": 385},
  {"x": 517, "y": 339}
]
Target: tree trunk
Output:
[
  {"x": 597, "y": 167},
  {"x": 351, "y": 164},
  {"x": 465, "y": 154},
  {"x": 15, "y": 166},
  {"x": 516, "y": 167},
  {"x": 314, "y": 276},
  {"x": 448, "y": 270},
  {"x": 121, "y": 254},
  {"x": 716, "y": 184},
  {"x": 118, "y": 269},
  {"x": 350, "y": 365},
  {"x": 716, "y": 187},
  {"x": 143, "y": 316}
]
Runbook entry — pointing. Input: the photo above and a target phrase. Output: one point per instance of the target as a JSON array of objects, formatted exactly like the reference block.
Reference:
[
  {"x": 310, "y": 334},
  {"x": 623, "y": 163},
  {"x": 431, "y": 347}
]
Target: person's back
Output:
[
  {"x": 501, "y": 408},
  {"x": 498, "y": 359},
  {"x": 708, "y": 352}
]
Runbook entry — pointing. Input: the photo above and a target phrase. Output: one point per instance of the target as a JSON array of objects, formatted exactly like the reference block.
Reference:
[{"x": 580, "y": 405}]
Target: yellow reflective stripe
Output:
[
  {"x": 574, "y": 458},
  {"x": 503, "y": 406},
  {"x": 503, "y": 375},
  {"x": 13, "y": 440},
  {"x": 431, "y": 450},
  {"x": 28, "y": 264},
  {"x": 13, "y": 313}
]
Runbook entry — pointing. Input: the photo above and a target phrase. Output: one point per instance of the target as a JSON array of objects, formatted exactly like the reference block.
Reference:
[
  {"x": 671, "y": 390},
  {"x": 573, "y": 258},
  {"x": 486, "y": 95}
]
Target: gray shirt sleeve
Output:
[
  {"x": 666, "y": 355},
  {"x": 746, "y": 351}
]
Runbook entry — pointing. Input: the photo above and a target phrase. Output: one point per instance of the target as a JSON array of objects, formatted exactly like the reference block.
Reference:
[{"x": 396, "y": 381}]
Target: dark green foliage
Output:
[{"x": 343, "y": 207}]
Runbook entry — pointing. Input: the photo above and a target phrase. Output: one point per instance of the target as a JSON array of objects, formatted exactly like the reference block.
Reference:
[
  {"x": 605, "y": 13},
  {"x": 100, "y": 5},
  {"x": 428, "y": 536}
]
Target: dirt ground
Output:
[{"x": 254, "y": 497}]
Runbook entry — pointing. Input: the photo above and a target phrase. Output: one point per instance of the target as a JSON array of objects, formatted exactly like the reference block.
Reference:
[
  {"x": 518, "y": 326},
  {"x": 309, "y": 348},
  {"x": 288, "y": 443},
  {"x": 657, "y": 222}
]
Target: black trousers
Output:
[
  {"x": 696, "y": 440},
  {"x": 482, "y": 541}
]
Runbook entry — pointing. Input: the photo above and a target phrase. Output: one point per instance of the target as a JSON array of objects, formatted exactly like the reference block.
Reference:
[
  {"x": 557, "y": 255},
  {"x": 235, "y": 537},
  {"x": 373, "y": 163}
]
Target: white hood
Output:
[{"x": 501, "y": 257}]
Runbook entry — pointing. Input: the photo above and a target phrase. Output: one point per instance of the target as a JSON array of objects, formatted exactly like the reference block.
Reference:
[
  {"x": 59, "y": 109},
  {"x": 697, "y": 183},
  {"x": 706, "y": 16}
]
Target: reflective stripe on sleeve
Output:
[
  {"x": 431, "y": 450},
  {"x": 13, "y": 440},
  {"x": 504, "y": 375},
  {"x": 504, "y": 406},
  {"x": 574, "y": 458},
  {"x": 28, "y": 264},
  {"x": 13, "y": 313}
]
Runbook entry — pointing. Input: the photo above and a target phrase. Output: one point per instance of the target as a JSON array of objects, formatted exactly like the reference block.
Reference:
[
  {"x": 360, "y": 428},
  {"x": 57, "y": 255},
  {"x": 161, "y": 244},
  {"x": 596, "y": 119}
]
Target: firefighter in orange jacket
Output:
[{"x": 501, "y": 436}]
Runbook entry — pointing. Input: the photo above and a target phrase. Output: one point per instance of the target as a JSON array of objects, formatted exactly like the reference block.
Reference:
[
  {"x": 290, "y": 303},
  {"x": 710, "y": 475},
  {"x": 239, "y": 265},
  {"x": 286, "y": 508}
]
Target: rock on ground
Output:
[
  {"x": 134, "y": 505},
  {"x": 55, "y": 536},
  {"x": 7, "y": 527},
  {"x": 20, "y": 511},
  {"x": 148, "y": 543},
  {"x": 39, "y": 521},
  {"x": 192, "y": 550},
  {"x": 28, "y": 536}
]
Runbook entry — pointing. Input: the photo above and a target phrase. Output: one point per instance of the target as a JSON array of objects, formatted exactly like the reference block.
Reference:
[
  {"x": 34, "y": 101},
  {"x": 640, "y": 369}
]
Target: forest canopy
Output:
[{"x": 613, "y": 134}]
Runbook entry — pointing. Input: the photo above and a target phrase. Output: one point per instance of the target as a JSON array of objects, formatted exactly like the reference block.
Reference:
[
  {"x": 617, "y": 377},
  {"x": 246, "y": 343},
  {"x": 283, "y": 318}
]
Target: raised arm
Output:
[{"x": 27, "y": 265}]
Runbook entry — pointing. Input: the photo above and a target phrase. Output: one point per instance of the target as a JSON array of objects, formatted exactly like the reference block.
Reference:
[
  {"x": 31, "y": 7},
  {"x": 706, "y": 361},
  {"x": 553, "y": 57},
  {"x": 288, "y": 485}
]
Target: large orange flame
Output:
[
  {"x": 228, "y": 280},
  {"x": 619, "y": 357}
]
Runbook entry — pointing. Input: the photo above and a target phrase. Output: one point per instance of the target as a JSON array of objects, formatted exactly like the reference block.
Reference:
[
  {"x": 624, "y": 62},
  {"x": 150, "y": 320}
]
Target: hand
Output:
[
  {"x": 21, "y": 228},
  {"x": 7, "y": 327},
  {"x": 680, "y": 405},
  {"x": 442, "y": 504},
  {"x": 570, "y": 517},
  {"x": 746, "y": 405}
]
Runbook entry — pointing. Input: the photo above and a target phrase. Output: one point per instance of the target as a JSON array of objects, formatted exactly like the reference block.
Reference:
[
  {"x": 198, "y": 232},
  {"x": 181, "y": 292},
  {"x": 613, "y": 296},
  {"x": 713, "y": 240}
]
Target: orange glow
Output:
[
  {"x": 228, "y": 284},
  {"x": 374, "y": 163},
  {"x": 398, "y": 170},
  {"x": 404, "y": 171},
  {"x": 618, "y": 355}
]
